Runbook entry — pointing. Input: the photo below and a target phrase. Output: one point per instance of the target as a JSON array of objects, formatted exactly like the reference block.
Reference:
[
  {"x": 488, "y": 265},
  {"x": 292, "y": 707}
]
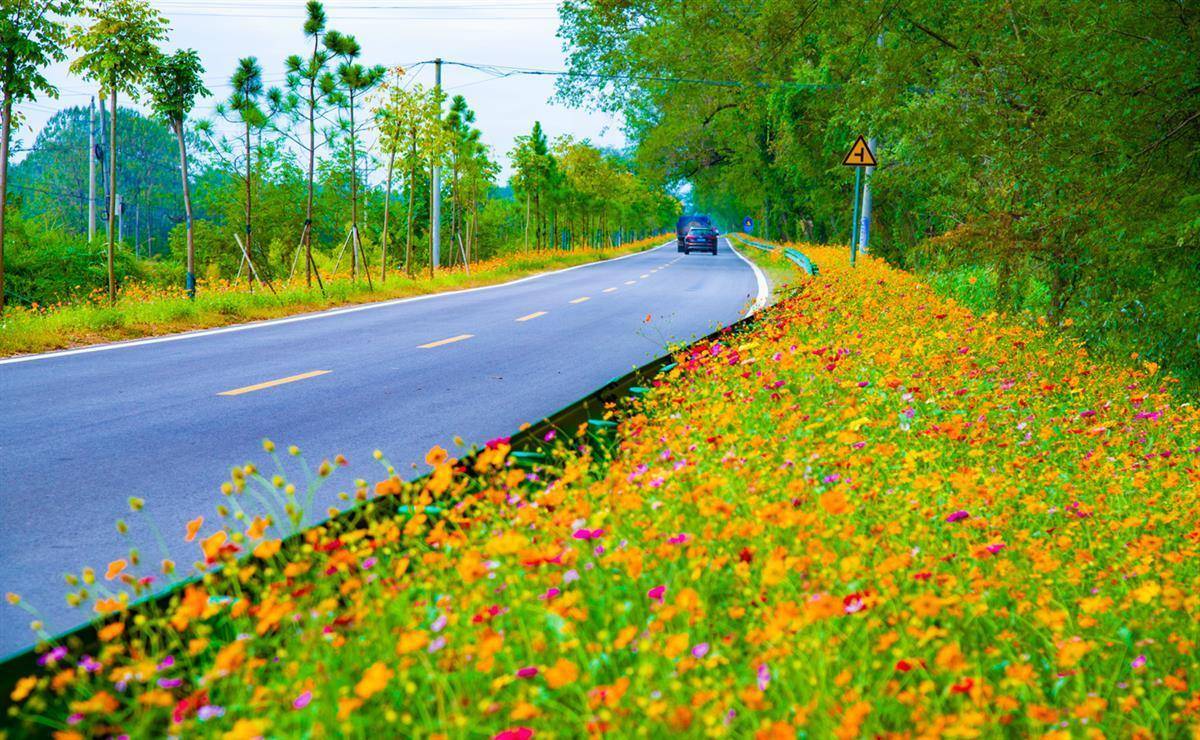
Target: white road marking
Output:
[
  {"x": 760, "y": 279},
  {"x": 441, "y": 342},
  {"x": 533, "y": 315}
]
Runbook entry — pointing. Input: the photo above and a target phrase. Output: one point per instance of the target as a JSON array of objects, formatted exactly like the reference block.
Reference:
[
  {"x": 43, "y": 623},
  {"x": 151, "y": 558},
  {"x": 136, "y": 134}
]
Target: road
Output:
[{"x": 163, "y": 419}]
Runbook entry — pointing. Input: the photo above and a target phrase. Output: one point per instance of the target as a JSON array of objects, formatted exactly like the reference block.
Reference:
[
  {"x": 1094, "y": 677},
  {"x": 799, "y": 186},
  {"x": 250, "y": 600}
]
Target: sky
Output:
[{"x": 509, "y": 33}]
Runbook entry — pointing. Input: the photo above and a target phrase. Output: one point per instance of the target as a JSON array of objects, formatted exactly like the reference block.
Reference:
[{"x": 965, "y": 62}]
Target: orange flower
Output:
[
  {"x": 115, "y": 568},
  {"x": 193, "y": 527},
  {"x": 374, "y": 680}
]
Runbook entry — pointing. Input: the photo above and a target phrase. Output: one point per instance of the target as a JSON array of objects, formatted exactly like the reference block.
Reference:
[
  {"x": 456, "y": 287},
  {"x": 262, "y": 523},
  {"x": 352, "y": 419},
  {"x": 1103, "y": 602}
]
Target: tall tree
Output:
[
  {"x": 244, "y": 107},
  {"x": 174, "y": 85},
  {"x": 119, "y": 47},
  {"x": 32, "y": 36},
  {"x": 309, "y": 84},
  {"x": 353, "y": 80}
]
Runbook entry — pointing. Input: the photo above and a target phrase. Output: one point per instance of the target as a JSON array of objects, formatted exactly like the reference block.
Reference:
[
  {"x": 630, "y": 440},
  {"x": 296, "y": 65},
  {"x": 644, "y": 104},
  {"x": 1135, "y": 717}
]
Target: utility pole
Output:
[
  {"x": 120, "y": 219},
  {"x": 92, "y": 171},
  {"x": 864, "y": 236},
  {"x": 435, "y": 233}
]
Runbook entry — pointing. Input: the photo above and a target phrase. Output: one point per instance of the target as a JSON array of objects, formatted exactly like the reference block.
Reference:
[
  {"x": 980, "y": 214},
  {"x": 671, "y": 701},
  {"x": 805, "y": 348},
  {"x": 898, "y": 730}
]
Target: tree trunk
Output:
[
  {"x": 312, "y": 155},
  {"x": 526, "y": 220},
  {"x": 387, "y": 202},
  {"x": 353, "y": 196},
  {"x": 187, "y": 210},
  {"x": 112, "y": 197},
  {"x": 249, "y": 251},
  {"x": 5, "y": 132},
  {"x": 412, "y": 189},
  {"x": 432, "y": 195}
]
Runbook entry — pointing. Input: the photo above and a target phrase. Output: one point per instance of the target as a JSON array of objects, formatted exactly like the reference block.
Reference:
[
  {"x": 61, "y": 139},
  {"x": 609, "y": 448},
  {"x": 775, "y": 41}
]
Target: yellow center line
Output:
[
  {"x": 610, "y": 290},
  {"x": 533, "y": 315},
  {"x": 630, "y": 282},
  {"x": 582, "y": 299},
  {"x": 440, "y": 342},
  {"x": 273, "y": 383},
  {"x": 644, "y": 276}
]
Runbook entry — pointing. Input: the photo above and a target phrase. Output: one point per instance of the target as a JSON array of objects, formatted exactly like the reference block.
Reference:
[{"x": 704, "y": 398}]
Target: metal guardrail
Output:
[
  {"x": 801, "y": 259},
  {"x": 795, "y": 255}
]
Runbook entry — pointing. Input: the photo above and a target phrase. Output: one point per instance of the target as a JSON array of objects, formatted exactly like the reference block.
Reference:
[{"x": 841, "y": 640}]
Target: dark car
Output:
[
  {"x": 687, "y": 223},
  {"x": 703, "y": 238}
]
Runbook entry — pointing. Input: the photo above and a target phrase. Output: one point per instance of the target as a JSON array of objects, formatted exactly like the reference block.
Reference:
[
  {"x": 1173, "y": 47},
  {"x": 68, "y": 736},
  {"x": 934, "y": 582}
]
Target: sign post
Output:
[
  {"x": 748, "y": 225},
  {"x": 858, "y": 157}
]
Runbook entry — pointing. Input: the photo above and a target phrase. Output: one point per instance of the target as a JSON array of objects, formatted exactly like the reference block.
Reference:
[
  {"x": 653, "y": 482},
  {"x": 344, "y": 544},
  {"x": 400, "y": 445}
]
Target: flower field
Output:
[{"x": 872, "y": 513}]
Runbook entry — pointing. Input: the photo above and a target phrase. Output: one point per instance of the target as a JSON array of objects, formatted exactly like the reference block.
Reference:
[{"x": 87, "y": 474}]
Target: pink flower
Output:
[
  {"x": 527, "y": 672},
  {"x": 514, "y": 733},
  {"x": 678, "y": 539},
  {"x": 550, "y": 594},
  {"x": 586, "y": 534},
  {"x": 657, "y": 592},
  {"x": 957, "y": 516},
  {"x": 302, "y": 701},
  {"x": 1139, "y": 661},
  {"x": 764, "y": 677},
  {"x": 995, "y": 548},
  {"x": 700, "y": 650}
]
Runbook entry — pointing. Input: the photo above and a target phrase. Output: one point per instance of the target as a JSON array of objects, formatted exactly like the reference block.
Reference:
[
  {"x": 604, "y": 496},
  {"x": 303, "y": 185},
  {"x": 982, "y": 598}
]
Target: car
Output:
[
  {"x": 701, "y": 238},
  {"x": 686, "y": 223}
]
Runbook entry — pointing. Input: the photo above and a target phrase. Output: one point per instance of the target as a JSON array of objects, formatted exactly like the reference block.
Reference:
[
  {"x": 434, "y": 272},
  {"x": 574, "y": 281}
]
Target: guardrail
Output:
[
  {"x": 795, "y": 255},
  {"x": 801, "y": 259}
]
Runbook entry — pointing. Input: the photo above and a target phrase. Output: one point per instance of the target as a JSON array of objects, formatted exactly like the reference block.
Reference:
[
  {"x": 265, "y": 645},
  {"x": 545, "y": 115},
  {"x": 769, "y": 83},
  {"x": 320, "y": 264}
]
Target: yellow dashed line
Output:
[
  {"x": 630, "y": 282},
  {"x": 273, "y": 383},
  {"x": 440, "y": 342},
  {"x": 610, "y": 290},
  {"x": 533, "y": 315},
  {"x": 582, "y": 299},
  {"x": 643, "y": 277}
]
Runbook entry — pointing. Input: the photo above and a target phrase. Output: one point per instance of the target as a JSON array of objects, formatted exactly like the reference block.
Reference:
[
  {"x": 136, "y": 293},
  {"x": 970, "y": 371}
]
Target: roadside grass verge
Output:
[
  {"x": 873, "y": 512},
  {"x": 144, "y": 311}
]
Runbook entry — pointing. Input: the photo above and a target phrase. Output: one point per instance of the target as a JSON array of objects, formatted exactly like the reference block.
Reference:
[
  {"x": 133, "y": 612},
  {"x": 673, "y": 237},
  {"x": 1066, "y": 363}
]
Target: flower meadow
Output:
[{"x": 871, "y": 512}]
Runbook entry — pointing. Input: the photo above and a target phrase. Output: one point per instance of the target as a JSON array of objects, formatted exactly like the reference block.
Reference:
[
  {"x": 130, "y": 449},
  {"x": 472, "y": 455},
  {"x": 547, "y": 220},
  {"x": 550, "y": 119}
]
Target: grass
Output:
[
  {"x": 873, "y": 513},
  {"x": 143, "y": 310}
]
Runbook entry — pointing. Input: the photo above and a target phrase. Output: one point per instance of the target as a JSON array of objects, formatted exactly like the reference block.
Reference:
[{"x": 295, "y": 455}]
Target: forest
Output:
[
  {"x": 327, "y": 174},
  {"x": 1036, "y": 156}
]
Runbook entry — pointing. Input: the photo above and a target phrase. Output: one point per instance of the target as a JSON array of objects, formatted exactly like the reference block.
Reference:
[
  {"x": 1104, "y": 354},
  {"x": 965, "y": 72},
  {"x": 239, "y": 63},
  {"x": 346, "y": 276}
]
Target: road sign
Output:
[
  {"x": 860, "y": 155},
  {"x": 748, "y": 225}
]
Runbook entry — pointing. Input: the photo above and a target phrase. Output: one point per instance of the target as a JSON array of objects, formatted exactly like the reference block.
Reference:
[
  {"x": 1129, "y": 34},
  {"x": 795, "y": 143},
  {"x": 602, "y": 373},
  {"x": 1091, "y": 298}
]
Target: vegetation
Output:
[
  {"x": 1049, "y": 145},
  {"x": 295, "y": 177},
  {"x": 151, "y": 300},
  {"x": 813, "y": 525}
]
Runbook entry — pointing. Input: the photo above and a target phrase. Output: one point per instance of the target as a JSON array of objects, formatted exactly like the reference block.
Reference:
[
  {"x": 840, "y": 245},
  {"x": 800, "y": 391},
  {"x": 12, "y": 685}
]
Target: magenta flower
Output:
[
  {"x": 1139, "y": 661},
  {"x": 957, "y": 516},
  {"x": 764, "y": 677},
  {"x": 302, "y": 701},
  {"x": 700, "y": 650},
  {"x": 657, "y": 592},
  {"x": 527, "y": 672}
]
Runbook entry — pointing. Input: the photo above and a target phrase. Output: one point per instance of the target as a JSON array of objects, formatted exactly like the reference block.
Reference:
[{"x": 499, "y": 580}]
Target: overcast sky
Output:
[{"x": 511, "y": 33}]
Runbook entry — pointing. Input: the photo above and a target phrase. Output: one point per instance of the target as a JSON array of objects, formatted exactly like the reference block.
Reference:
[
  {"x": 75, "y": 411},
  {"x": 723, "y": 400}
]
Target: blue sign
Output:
[{"x": 748, "y": 225}]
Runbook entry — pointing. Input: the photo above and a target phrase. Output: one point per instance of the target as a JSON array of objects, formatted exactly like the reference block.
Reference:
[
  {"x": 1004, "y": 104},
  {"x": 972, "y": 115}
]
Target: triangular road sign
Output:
[{"x": 860, "y": 155}]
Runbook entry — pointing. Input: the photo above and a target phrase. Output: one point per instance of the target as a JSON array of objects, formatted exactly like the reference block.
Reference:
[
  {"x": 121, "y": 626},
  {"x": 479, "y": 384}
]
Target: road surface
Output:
[{"x": 164, "y": 419}]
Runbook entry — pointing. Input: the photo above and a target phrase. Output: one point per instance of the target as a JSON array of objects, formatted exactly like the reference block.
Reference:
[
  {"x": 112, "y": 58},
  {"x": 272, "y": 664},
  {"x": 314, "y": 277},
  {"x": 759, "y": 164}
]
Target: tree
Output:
[
  {"x": 533, "y": 162},
  {"x": 309, "y": 81},
  {"x": 392, "y": 111},
  {"x": 174, "y": 85},
  {"x": 244, "y": 108},
  {"x": 353, "y": 80},
  {"x": 118, "y": 48},
  {"x": 31, "y": 38}
]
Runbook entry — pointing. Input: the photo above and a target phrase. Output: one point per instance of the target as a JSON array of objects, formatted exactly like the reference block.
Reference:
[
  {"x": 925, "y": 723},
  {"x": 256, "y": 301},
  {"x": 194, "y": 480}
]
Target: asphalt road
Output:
[{"x": 83, "y": 430}]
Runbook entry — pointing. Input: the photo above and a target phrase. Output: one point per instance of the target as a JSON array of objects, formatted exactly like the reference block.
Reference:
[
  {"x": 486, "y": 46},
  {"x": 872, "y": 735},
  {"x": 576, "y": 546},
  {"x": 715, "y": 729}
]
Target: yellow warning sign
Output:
[{"x": 860, "y": 155}]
